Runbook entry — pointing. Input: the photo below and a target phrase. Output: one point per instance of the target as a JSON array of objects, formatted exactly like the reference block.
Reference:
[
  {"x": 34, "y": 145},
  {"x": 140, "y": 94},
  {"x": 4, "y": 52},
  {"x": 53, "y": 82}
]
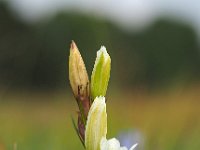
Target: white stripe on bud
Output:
[{"x": 96, "y": 126}]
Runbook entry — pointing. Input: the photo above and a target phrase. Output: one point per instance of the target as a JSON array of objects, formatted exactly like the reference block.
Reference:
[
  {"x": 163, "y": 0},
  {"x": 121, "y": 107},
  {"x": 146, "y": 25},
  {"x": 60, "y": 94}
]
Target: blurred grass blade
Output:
[{"x": 77, "y": 132}]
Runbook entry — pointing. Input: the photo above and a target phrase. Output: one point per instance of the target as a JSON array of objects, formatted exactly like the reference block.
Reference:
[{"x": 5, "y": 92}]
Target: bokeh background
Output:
[{"x": 154, "y": 90}]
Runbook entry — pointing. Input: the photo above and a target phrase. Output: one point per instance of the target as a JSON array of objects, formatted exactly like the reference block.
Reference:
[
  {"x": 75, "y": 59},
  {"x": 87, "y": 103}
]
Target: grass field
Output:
[{"x": 41, "y": 121}]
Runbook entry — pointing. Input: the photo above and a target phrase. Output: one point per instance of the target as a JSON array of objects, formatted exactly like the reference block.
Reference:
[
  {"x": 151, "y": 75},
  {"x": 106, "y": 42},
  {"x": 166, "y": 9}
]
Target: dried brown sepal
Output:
[{"x": 81, "y": 127}]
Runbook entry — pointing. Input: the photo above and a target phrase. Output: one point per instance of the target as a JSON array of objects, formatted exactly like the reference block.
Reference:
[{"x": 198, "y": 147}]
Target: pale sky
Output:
[{"x": 126, "y": 13}]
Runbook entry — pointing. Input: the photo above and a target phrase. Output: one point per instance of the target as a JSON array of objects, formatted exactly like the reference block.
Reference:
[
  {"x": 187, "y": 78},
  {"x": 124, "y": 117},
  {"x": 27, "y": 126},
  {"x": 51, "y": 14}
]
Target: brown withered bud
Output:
[
  {"x": 78, "y": 76},
  {"x": 80, "y": 86}
]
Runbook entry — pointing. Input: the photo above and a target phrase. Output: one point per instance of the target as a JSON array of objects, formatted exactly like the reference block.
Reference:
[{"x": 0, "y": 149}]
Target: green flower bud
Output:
[
  {"x": 78, "y": 76},
  {"x": 100, "y": 73},
  {"x": 96, "y": 126}
]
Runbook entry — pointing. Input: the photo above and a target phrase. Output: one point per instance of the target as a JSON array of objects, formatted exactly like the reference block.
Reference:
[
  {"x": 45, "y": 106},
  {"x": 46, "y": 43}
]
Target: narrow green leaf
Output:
[{"x": 77, "y": 132}]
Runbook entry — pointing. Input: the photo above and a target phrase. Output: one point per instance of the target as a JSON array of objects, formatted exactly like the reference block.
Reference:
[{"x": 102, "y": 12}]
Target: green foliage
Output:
[
  {"x": 36, "y": 55},
  {"x": 170, "y": 125}
]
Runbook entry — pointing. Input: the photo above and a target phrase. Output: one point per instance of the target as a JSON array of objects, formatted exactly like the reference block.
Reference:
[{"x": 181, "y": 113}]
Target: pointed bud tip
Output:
[
  {"x": 73, "y": 45},
  {"x": 104, "y": 52},
  {"x": 103, "y": 49}
]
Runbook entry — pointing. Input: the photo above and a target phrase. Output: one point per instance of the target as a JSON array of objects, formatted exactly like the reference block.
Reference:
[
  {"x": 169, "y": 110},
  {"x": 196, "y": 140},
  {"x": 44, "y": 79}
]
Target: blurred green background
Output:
[{"x": 154, "y": 86}]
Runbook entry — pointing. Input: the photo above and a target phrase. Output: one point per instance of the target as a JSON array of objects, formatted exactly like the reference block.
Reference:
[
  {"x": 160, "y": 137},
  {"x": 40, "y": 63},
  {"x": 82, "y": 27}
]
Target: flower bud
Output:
[
  {"x": 100, "y": 73},
  {"x": 78, "y": 76},
  {"x": 96, "y": 126},
  {"x": 113, "y": 144}
]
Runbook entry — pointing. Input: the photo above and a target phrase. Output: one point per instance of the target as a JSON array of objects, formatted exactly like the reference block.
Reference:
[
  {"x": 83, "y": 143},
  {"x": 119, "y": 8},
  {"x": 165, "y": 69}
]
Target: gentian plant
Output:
[{"x": 91, "y": 126}]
